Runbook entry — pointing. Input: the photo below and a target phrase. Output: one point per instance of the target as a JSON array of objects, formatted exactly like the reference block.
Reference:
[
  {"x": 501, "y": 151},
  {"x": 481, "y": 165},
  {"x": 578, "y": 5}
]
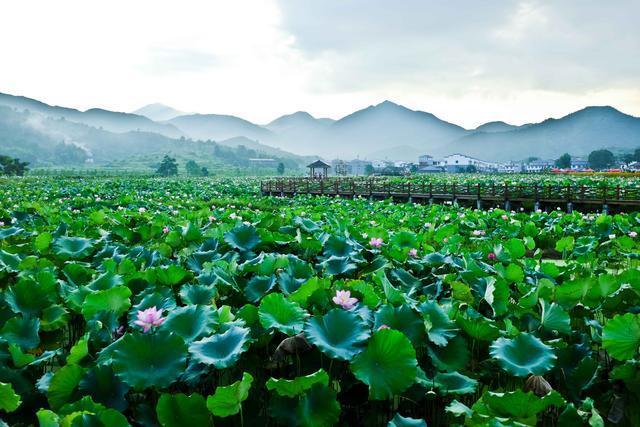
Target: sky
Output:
[{"x": 466, "y": 61}]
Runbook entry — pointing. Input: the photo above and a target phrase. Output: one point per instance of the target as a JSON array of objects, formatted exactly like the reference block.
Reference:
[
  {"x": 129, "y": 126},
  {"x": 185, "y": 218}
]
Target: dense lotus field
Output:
[
  {"x": 197, "y": 302},
  {"x": 587, "y": 180}
]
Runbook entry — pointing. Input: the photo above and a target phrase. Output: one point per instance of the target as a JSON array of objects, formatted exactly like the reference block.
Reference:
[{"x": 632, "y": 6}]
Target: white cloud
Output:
[{"x": 465, "y": 61}]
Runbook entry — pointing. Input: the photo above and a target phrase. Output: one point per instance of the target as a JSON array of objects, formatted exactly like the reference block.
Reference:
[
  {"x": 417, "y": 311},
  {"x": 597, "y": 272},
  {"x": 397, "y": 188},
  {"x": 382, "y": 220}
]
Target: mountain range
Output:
[{"x": 383, "y": 131}]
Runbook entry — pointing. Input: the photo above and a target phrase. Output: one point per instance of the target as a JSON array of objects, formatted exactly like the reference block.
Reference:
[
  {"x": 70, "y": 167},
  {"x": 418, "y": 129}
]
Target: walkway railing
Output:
[{"x": 415, "y": 191}]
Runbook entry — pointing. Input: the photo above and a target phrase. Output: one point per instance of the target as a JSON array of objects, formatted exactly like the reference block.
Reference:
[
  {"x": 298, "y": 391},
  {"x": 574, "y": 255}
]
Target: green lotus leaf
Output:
[
  {"x": 248, "y": 313},
  {"x": 191, "y": 322},
  {"x": 243, "y": 237},
  {"x": 454, "y": 383},
  {"x": 519, "y": 405},
  {"x": 177, "y": 410},
  {"x": 8, "y": 262},
  {"x": 370, "y": 297},
  {"x": 221, "y": 350},
  {"x": 78, "y": 351},
  {"x": 73, "y": 247},
  {"x": 388, "y": 365},
  {"x": 404, "y": 240},
  {"x": 294, "y": 275},
  {"x": 149, "y": 360},
  {"x": 514, "y": 273},
  {"x": 402, "y": 319},
  {"x": 171, "y": 275},
  {"x": 54, "y": 317},
  {"x": 340, "y": 334},
  {"x": 318, "y": 407},
  {"x": 5, "y": 233},
  {"x": 114, "y": 300},
  {"x": 400, "y": 421},
  {"x": 452, "y": 357},
  {"x": 191, "y": 232},
  {"x": 265, "y": 264},
  {"x": 298, "y": 385},
  {"x": 554, "y": 318},
  {"x": 9, "y": 400},
  {"x": 565, "y": 244},
  {"x": 337, "y": 246},
  {"x": 515, "y": 247},
  {"x": 524, "y": 355},
  {"x": 22, "y": 331},
  {"x": 105, "y": 281},
  {"x": 337, "y": 265},
  {"x": 440, "y": 329},
  {"x": 103, "y": 386},
  {"x": 228, "y": 400},
  {"x": 63, "y": 385},
  {"x": 197, "y": 294},
  {"x": 258, "y": 286},
  {"x": 277, "y": 312},
  {"x": 307, "y": 289},
  {"x": 477, "y": 326},
  {"x": 31, "y": 296},
  {"x": 621, "y": 336}
]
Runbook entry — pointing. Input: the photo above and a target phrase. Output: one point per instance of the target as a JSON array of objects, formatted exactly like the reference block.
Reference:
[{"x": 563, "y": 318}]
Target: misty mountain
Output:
[
  {"x": 218, "y": 127},
  {"x": 262, "y": 148},
  {"x": 578, "y": 133},
  {"x": 386, "y": 126},
  {"x": 96, "y": 117},
  {"x": 299, "y": 132},
  {"x": 383, "y": 131},
  {"x": 498, "y": 126},
  {"x": 46, "y": 141},
  {"x": 158, "y": 112}
]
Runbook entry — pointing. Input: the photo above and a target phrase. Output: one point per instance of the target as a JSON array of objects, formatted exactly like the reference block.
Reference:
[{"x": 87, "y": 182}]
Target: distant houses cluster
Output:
[{"x": 453, "y": 163}]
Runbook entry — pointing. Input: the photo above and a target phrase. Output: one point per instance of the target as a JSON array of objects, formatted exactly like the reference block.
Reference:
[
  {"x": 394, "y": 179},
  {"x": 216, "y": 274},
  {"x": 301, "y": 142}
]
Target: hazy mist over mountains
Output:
[{"x": 383, "y": 131}]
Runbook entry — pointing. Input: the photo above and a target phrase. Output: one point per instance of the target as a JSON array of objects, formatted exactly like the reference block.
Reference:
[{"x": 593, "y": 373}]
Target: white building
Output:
[
  {"x": 459, "y": 163},
  {"x": 510, "y": 167},
  {"x": 578, "y": 164},
  {"x": 537, "y": 166},
  {"x": 427, "y": 160}
]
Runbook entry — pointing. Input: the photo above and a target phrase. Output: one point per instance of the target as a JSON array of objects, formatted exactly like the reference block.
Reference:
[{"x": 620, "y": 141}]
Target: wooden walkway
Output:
[{"x": 534, "y": 196}]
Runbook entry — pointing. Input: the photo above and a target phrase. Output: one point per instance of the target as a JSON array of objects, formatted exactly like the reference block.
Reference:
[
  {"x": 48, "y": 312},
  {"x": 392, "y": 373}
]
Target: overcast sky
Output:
[{"x": 468, "y": 61}]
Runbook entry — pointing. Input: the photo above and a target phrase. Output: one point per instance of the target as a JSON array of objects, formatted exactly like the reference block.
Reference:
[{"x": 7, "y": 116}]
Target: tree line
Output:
[
  {"x": 600, "y": 159},
  {"x": 12, "y": 166}
]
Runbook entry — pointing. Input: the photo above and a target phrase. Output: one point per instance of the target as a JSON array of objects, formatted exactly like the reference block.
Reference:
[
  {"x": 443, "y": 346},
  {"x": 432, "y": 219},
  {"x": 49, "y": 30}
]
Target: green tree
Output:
[
  {"x": 471, "y": 169},
  {"x": 192, "y": 168},
  {"x": 168, "y": 167},
  {"x": 636, "y": 155},
  {"x": 204, "y": 171},
  {"x": 10, "y": 166},
  {"x": 564, "y": 161},
  {"x": 601, "y": 159},
  {"x": 280, "y": 168},
  {"x": 368, "y": 169}
]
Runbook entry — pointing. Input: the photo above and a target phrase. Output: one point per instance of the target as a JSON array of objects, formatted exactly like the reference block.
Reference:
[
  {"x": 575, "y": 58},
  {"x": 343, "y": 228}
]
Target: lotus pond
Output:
[{"x": 197, "y": 302}]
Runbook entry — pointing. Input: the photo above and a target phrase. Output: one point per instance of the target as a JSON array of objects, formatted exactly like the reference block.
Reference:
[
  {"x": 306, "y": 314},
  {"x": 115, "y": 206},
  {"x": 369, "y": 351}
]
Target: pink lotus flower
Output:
[
  {"x": 344, "y": 299},
  {"x": 491, "y": 256},
  {"x": 633, "y": 234},
  {"x": 479, "y": 232},
  {"x": 149, "y": 318},
  {"x": 165, "y": 230},
  {"x": 376, "y": 242},
  {"x": 413, "y": 252},
  {"x": 212, "y": 218},
  {"x": 381, "y": 327}
]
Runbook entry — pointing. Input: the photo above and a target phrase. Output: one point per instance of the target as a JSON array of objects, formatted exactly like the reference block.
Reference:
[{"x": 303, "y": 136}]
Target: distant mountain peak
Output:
[
  {"x": 158, "y": 112},
  {"x": 495, "y": 126}
]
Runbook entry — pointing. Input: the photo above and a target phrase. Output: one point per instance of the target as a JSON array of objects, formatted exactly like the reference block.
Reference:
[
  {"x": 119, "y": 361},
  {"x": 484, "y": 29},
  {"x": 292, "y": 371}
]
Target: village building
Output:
[{"x": 459, "y": 163}]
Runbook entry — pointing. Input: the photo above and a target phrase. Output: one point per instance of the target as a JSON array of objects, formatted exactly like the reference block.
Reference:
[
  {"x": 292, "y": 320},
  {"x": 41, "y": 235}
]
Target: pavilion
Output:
[{"x": 318, "y": 165}]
